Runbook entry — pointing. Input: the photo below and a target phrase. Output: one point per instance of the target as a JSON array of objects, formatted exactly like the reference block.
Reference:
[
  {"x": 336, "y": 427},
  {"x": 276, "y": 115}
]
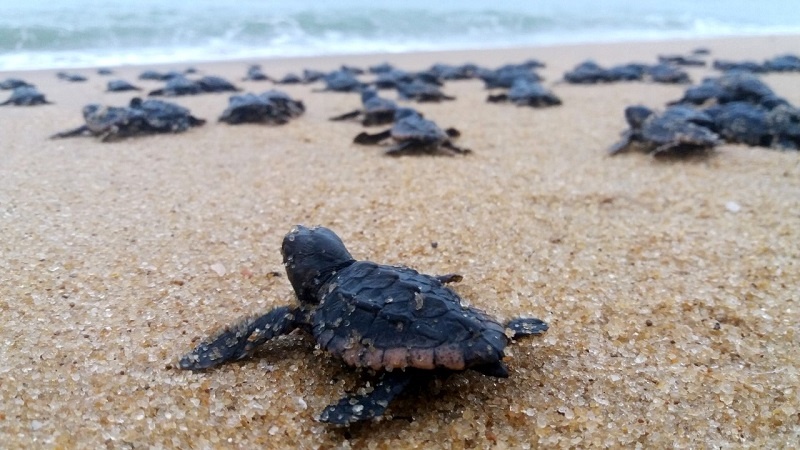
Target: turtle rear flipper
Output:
[
  {"x": 496, "y": 369},
  {"x": 372, "y": 139},
  {"x": 449, "y": 146},
  {"x": 622, "y": 146},
  {"x": 526, "y": 326},
  {"x": 497, "y": 98},
  {"x": 196, "y": 121},
  {"x": 240, "y": 340},
  {"x": 358, "y": 408},
  {"x": 79, "y": 131},
  {"x": 347, "y": 116}
]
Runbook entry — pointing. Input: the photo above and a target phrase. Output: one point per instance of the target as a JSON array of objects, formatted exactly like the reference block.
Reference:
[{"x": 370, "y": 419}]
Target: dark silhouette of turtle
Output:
[
  {"x": 311, "y": 75},
  {"x": 71, "y": 77},
  {"x": 105, "y": 71},
  {"x": 26, "y": 96},
  {"x": 752, "y": 124},
  {"x": 667, "y": 74},
  {"x": 414, "y": 134},
  {"x": 139, "y": 118},
  {"x": 734, "y": 86},
  {"x": 341, "y": 81},
  {"x": 120, "y": 86},
  {"x": 160, "y": 76},
  {"x": 290, "y": 78},
  {"x": 273, "y": 107},
  {"x": 13, "y": 83},
  {"x": 421, "y": 91},
  {"x": 180, "y": 85},
  {"x": 254, "y": 73},
  {"x": 504, "y": 76},
  {"x": 742, "y": 66},
  {"x": 680, "y": 60},
  {"x": 783, "y": 63},
  {"x": 678, "y": 131},
  {"x": 390, "y": 79},
  {"x": 213, "y": 84},
  {"x": 525, "y": 92},
  {"x": 390, "y": 319},
  {"x": 587, "y": 72},
  {"x": 177, "y": 86},
  {"x": 376, "y": 110},
  {"x": 381, "y": 68},
  {"x": 450, "y": 72}
]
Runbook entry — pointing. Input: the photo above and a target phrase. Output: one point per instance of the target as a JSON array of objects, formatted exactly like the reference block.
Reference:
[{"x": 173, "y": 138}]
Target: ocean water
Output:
[{"x": 77, "y": 33}]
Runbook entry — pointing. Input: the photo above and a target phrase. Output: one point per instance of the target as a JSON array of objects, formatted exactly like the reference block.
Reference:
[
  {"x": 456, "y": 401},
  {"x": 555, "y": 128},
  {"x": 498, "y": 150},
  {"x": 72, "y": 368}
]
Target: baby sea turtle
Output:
[
  {"x": 742, "y": 66},
  {"x": 140, "y": 117},
  {"x": 680, "y": 60},
  {"x": 421, "y": 91},
  {"x": 679, "y": 130},
  {"x": 120, "y": 86},
  {"x": 179, "y": 86},
  {"x": 754, "y": 125},
  {"x": 391, "y": 319},
  {"x": 273, "y": 107},
  {"x": 667, "y": 74},
  {"x": 254, "y": 73},
  {"x": 341, "y": 81},
  {"x": 71, "y": 77},
  {"x": 25, "y": 96},
  {"x": 414, "y": 134},
  {"x": 13, "y": 83},
  {"x": 503, "y": 77},
  {"x": 783, "y": 63},
  {"x": 376, "y": 110},
  {"x": 525, "y": 92}
]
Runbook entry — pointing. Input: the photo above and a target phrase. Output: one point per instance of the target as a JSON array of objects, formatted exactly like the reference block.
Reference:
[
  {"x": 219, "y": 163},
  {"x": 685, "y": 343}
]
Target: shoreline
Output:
[
  {"x": 673, "y": 316},
  {"x": 786, "y": 42}
]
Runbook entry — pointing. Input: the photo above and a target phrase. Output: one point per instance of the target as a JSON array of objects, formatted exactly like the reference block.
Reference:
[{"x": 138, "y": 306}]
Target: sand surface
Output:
[{"x": 671, "y": 287}]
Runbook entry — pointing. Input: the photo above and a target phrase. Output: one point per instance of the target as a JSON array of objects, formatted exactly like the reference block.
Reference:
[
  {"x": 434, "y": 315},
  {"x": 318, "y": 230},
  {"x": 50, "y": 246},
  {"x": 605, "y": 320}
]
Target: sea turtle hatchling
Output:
[
  {"x": 25, "y": 96},
  {"x": 393, "y": 320},
  {"x": 680, "y": 130},
  {"x": 413, "y": 134},
  {"x": 376, "y": 110},
  {"x": 139, "y": 118},
  {"x": 272, "y": 107}
]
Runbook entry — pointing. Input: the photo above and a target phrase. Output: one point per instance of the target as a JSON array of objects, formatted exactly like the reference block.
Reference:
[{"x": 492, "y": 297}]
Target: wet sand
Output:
[{"x": 671, "y": 287}]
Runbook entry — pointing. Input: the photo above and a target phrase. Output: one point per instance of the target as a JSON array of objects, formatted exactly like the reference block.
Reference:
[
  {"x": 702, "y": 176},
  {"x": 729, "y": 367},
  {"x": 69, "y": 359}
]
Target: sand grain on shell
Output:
[{"x": 670, "y": 288}]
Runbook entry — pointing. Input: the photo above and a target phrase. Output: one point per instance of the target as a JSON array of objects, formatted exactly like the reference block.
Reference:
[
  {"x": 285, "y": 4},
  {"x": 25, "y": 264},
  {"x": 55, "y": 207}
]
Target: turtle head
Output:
[
  {"x": 311, "y": 257},
  {"x": 636, "y": 115}
]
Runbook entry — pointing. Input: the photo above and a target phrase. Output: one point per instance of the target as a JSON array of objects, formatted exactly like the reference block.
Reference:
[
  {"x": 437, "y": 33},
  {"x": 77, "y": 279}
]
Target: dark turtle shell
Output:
[
  {"x": 411, "y": 126},
  {"x": 387, "y": 317}
]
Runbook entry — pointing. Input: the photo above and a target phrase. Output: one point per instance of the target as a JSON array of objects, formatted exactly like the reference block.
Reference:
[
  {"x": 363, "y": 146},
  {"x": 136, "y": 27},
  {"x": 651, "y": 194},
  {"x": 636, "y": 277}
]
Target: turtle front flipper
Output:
[
  {"x": 240, "y": 340},
  {"x": 623, "y": 145},
  {"x": 372, "y": 139},
  {"x": 358, "y": 408},
  {"x": 347, "y": 116},
  {"x": 526, "y": 326},
  {"x": 79, "y": 131},
  {"x": 449, "y": 278},
  {"x": 449, "y": 146}
]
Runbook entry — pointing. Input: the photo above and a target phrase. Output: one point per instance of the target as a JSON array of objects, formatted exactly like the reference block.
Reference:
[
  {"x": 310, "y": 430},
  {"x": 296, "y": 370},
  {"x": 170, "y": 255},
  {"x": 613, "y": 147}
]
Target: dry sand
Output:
[{"x": 674, "y": 316}]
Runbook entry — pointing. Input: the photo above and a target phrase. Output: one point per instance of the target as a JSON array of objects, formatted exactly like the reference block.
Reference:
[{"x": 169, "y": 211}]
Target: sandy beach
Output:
[{"x": 670, "y": 287}]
